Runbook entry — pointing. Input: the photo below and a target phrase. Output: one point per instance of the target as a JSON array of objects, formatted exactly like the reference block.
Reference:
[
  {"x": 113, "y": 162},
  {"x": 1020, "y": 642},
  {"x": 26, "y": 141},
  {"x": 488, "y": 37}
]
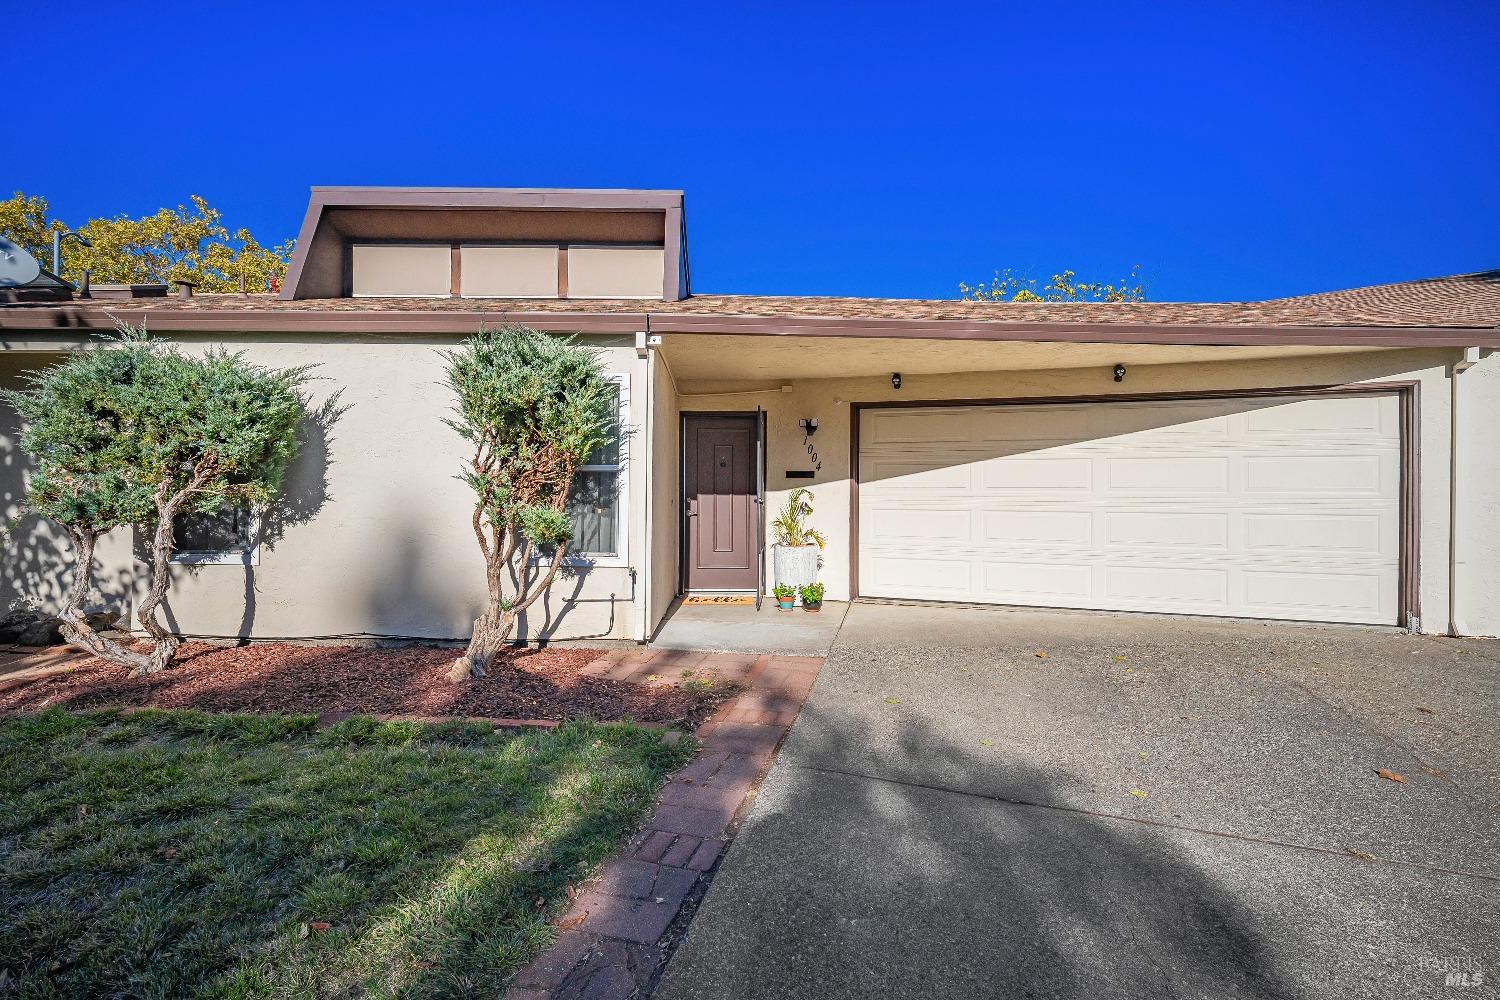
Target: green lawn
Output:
[{"x": 183, "y": 853}]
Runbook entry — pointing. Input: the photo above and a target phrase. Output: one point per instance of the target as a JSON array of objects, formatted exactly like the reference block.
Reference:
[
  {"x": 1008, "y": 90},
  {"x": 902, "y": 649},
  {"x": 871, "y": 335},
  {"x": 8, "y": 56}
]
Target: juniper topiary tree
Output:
[
  {"x": 532, "y": 407},
  {"x": 137, "y": 433}
]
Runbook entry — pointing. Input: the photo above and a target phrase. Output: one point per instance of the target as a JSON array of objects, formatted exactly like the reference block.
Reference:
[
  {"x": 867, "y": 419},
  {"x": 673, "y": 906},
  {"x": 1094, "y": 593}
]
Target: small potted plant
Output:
[
  {"x": 812, "y": 597},
  {"x": 786, "y": 596}
]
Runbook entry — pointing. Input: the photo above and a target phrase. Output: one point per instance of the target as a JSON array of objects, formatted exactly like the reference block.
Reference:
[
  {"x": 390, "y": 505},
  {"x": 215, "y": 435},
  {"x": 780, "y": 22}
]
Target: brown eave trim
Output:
[
  {"x": 331, "y": 321},
  {"x": 1084, "y": 333},
  {"x": 578, "y": 198},
  {"x": 448, "y": 321}
]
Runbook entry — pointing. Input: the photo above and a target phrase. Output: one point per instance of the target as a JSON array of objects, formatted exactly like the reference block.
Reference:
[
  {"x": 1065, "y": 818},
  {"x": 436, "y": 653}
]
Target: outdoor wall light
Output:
[
  {"x": 1119, "y": 373},
  {"x": 895, "y": 380},
  {"x": 809, "y": 425}
]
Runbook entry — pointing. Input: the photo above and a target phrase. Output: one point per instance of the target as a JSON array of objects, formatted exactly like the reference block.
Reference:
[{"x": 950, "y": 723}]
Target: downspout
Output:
[{"x": 1456, "y": 549}]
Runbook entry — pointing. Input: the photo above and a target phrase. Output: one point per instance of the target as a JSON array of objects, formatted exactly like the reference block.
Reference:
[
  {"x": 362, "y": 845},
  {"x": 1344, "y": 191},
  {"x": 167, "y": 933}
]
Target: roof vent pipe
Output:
[
  {"x": 83, "y": 284},
  {"x": 184, "y": 289}
]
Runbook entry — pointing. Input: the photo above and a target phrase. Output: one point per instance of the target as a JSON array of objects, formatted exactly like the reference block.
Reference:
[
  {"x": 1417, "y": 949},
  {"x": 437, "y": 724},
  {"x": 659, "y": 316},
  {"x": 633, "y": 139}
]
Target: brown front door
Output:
[{"x": 719, "y": 487}]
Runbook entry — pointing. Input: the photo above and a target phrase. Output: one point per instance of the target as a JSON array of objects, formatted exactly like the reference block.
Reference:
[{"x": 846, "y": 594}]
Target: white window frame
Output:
[
  {"x": 247, "y": 556},
  {"x": 621, "y": 557}
]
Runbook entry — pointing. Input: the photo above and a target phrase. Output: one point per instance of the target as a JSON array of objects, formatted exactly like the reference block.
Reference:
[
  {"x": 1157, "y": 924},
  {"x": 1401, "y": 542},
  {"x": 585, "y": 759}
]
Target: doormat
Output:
[{"x": 718, "y": 599}]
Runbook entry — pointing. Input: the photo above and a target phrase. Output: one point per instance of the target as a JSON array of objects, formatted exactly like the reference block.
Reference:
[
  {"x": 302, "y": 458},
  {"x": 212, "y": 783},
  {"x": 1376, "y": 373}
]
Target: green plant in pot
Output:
[
  {"x": 795, "y": 554},
  {"x": 812, "y": 597},
  {"x": 786, "y": 596}
]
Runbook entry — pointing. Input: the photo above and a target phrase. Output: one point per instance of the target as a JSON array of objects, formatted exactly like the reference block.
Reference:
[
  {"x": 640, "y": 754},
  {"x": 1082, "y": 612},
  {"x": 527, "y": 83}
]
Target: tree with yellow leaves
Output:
[
  {"x": 1008, "y": 286},
  {"x": 172, "y": 244}
]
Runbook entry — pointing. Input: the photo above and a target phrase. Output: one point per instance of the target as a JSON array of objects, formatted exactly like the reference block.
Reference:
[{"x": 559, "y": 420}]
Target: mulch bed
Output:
[{"x": 335, "y": 680}]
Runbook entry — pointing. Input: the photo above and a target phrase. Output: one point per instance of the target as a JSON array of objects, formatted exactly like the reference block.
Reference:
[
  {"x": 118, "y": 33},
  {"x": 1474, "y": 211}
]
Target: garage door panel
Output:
[
  {"x": 1176, "y": 529},
  {"x": 925, "y": 524},
  {"x": 1341, "y": 415},
  {"x": 1009, "y": 582},
  {"x": 1299, "y": 532},
  {"x": 1248, "y": 507},
  {"x": 1343, "y": 593},
  {"x": 1057, "y": 427},
  {"x": 924, "y": 576},
  {"x": 1037, "y": 473},
  {"x": 1004, "y": 526},
  {"x": 1160, "y": 421},
  {"x": 908, "y": 475},
  {"x": 1325, "y": 475},
  {"x": 1168, "y": 585},
  {"x": 1203, "y": 474},
  {"x": 917, "y": 427}
]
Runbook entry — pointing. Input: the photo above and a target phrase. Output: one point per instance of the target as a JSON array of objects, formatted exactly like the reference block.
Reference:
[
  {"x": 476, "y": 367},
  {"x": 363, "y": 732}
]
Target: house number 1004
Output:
[{"x": 812, "y": 453}]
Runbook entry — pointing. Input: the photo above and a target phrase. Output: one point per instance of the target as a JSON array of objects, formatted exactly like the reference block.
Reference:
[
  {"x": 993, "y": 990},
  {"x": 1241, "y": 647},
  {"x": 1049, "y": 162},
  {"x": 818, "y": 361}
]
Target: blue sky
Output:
[{"x": 1234, "y": 151}]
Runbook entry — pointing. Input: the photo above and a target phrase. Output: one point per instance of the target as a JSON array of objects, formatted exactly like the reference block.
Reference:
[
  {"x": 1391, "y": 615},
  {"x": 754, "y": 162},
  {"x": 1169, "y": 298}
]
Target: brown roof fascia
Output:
[
  {"x": 574, "y": 198},
  {"x": 74, "y": 317},
  {"x": 328, "y": 321},
  {"x": 1087, "y": 333}
]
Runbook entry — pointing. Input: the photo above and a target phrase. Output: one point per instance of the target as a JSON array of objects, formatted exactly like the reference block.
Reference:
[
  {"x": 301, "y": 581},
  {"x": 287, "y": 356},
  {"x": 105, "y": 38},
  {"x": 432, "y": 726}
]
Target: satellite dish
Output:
[{"x": 17, "y": 267}]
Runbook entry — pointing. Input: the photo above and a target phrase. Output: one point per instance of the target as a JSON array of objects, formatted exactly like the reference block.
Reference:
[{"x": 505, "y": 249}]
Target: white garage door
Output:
[{"x": 1275, "y": 507}]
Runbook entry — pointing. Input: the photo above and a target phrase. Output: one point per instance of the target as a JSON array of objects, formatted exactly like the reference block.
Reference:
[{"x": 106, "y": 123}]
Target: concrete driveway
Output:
[{"x": 1156, "y": 808}]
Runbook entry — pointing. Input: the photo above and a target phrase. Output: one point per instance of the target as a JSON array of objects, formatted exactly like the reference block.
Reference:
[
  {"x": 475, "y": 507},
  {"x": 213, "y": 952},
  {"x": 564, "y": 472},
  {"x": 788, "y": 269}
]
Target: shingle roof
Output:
[{"x": 1456, "y": 301}]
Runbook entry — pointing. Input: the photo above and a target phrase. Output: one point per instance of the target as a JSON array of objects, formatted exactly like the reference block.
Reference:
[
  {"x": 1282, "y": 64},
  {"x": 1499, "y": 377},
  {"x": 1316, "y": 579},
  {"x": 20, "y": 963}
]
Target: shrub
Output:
[
  {"x": 532, "y": 407},
  {"x": 136, "y": 433}
]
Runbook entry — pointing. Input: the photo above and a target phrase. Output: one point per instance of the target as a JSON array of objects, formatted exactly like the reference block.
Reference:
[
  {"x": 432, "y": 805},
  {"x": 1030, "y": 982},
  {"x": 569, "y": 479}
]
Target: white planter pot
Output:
[{"x": 795, "y": 565}]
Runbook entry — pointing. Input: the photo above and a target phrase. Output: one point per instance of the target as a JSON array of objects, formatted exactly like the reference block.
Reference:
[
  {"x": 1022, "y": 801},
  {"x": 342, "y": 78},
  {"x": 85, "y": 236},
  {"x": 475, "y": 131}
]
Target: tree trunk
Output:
[
  {"x": 492, "y": 629},
  {"x": 75, "y": 627},
  {"x": 163, "y": 643},
  {"x": 491, "y": 634}
]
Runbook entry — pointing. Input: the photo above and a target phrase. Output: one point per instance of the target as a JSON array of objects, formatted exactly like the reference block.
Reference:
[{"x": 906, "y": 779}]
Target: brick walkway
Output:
[{"x": 619, "y": 930}]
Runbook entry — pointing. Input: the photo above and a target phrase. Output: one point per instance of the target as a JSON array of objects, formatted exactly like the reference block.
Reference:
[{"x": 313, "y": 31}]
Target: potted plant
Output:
[
  {"x": 812, "y": 597},
  {"x": 795, "y": 554},
  {"x": 786, "y": 596}
]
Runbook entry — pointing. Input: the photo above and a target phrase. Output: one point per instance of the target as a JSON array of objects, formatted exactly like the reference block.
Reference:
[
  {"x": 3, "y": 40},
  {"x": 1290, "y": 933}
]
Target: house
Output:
[{"x": 1322, "y": 458}]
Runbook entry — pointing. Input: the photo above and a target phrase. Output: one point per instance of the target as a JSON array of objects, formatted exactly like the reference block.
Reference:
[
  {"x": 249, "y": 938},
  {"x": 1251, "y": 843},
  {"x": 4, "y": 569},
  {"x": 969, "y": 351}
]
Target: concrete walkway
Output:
[
  {"x": 731, "y": 628},
  {"x": 1154, "y": 808}
]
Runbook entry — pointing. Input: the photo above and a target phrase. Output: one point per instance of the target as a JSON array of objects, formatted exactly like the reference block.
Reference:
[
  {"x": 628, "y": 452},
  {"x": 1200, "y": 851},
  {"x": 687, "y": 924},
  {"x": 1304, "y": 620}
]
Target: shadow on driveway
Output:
[{"x": 951, "y": 819}]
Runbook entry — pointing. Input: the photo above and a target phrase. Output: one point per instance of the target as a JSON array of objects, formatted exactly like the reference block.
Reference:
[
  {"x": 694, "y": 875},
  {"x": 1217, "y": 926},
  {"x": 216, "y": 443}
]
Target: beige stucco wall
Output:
[
  {"x": 1477, "y": 610},
  {"x": 380, "y": 542},
  {"x": 828, "y": 400},
  {"x": 374, "y": 538}
]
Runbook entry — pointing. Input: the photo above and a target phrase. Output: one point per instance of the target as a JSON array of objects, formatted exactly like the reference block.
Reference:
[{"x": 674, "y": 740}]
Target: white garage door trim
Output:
[{"x": 1288, "y": 504}]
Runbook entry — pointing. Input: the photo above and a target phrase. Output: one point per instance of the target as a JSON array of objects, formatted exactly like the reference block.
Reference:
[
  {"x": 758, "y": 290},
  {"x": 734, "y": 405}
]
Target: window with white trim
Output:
[
  {"x": 596, "y": 502},
  {"x": 229, "y": 536}
]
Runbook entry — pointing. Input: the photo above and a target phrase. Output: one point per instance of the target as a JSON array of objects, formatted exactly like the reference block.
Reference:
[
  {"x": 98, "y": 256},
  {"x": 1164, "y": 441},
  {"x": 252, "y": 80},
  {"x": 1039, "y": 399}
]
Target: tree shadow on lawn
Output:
[
  {"x": 195, "y": 854},
  {"x": 842, "y": 883}
]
